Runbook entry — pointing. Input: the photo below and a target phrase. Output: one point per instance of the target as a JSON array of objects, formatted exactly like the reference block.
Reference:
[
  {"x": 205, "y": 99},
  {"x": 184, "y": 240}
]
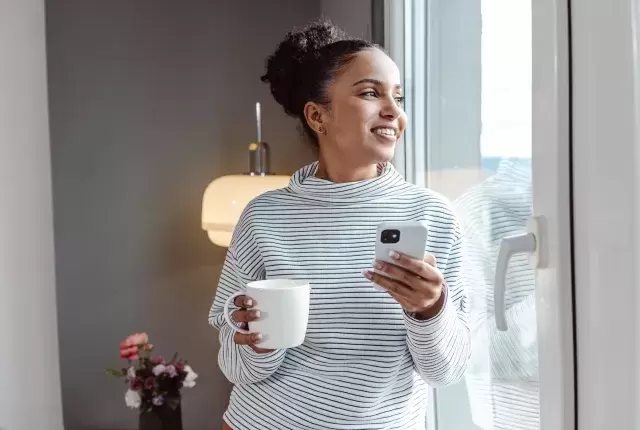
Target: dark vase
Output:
[{"x": 161, "y": 418}]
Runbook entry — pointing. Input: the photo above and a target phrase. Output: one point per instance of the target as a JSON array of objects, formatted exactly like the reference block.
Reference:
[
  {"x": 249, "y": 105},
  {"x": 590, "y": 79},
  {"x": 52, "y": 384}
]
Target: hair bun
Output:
[{"x": 294, "y": 56}]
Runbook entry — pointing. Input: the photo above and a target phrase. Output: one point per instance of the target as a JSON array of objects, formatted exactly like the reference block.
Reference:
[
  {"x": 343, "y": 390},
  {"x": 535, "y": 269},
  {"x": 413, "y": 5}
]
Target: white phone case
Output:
[{"x": 412, "y": 241}]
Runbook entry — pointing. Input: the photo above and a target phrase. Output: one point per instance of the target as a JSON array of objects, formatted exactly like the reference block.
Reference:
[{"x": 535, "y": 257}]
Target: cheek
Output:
[
  {"x": 362, "y": 112},
  {"x": 402, "y": 122},
  {"x": 355, "y": 119}
]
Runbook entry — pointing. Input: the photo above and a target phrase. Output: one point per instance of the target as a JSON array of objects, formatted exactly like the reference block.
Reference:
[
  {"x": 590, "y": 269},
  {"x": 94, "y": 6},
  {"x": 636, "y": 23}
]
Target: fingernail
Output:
[
  {"x": 367, "y": 274},
  {"x": 248, "y": 302},
  {"x": 377, "y": 265},
  {"x": 257, "y": 336},
  {"x": 255, "y": 314},
  {"x": 394, "y": 255}
]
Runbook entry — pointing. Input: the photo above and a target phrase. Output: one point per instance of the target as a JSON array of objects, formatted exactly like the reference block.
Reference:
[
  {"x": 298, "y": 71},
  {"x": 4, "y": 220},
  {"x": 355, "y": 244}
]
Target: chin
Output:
[{"x": 384, "y": 155}]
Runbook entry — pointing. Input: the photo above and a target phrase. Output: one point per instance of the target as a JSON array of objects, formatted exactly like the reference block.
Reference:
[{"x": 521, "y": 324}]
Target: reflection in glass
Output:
[{"x": 478, "y": 153}]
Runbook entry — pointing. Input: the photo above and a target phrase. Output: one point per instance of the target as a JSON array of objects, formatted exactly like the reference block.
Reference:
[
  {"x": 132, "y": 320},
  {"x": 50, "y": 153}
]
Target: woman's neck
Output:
[{"x": 344, "y": 172}]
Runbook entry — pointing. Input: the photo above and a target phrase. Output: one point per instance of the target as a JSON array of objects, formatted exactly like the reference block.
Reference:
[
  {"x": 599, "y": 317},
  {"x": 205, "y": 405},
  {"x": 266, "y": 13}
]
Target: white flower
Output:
[
  {"x": 190, "y": 379},
  {"x": 159, "y": 369},
  {"x": 131, "y": 373},
  {"x": 132, "y": 399}
]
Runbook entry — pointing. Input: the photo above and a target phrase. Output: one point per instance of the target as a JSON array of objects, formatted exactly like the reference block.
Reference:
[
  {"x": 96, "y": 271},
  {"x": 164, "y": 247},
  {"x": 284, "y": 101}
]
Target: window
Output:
[{"x": 467, "y": 71}]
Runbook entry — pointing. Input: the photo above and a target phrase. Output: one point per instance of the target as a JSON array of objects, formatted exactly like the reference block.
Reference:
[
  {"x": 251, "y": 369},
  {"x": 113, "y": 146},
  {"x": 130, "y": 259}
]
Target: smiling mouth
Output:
[{"x": 387, "y": 133}]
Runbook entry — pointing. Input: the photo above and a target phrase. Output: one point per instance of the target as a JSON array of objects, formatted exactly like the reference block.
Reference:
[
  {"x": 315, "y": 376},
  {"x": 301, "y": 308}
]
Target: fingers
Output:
[
  {"x": 431, "y": 260},
  {"x": 390, "y": 285},
  {"x": 251, "y": 339},
  {"x": 244, "y": 302},
  {"x": 400, "y": 274},
  {"x": 247, "y": 338},
  {"x": 245, "y": 315},
  {"x": 416, "y": 285},
  {"x": 410, "y": 299},
  {"x": 426, "y": 269}
]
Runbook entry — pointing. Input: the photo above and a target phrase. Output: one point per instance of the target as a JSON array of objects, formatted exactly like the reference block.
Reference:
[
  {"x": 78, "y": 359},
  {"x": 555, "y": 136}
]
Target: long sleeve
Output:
[
  {"x": 513, "y": 355},
  {"x": 441, "y": 346},
  {"x": 243, "y": 264}
]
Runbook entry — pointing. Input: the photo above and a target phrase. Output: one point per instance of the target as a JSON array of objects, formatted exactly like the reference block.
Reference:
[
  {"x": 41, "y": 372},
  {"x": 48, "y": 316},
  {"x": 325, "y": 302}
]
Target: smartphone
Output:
[{"x": 405, "y": 237}]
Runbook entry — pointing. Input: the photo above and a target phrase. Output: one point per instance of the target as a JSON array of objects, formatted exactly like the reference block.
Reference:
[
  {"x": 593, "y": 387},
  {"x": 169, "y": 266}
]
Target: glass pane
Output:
[{"x": 477, "y": 124}]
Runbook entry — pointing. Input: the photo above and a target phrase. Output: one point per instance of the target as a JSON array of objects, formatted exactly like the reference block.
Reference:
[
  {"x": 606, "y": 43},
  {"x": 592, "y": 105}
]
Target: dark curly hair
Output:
[{"x": 305, "y": 63}]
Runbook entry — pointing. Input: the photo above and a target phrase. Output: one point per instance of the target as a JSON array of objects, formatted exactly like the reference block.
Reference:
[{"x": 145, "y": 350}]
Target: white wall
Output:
[
  {"x": 353, "y": 16},
  {"x": 29, "y": 380}
]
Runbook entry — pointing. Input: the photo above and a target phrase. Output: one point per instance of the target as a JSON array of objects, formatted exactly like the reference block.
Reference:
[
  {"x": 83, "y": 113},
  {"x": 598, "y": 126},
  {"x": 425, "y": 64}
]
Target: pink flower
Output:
[
  {"x": 150, "y": 383},
  {"x": 180, "y": 366},
  {"x": 137, "y": 339},
  {"x": 130, "y": 347},
  {"x": 171, "y": 370},
  {"x": 129, "y": 353},
  {"x": 136, "y": 383},
  {"x": 157, "y": 359}
]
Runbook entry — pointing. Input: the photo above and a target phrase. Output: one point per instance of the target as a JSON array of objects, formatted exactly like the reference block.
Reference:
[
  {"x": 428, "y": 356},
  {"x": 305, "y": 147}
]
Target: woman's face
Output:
[{"x": 365, "y": 119}]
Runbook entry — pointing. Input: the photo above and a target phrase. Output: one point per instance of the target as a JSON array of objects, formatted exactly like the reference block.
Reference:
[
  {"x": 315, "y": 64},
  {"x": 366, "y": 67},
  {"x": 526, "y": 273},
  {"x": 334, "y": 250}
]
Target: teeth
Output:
[{"x": 385, "y": 131}]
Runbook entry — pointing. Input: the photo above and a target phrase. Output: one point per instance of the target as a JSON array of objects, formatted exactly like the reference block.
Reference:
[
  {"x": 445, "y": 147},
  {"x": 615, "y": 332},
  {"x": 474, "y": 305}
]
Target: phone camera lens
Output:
[{"x": 390, "y": 236}]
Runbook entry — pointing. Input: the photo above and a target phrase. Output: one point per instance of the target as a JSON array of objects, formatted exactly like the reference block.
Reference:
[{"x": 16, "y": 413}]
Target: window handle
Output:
[{"x": 509, "y": 246}]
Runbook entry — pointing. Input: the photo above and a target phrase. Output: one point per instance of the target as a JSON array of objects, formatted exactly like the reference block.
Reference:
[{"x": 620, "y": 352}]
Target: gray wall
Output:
[
  {"x": 29, "y": 378},
  {"x": 150, "y": 100},
  {"x": 353, "y": 16}
]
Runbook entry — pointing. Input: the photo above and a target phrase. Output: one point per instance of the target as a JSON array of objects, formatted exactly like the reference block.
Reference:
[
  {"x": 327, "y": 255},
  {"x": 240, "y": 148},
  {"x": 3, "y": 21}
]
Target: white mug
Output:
[{"x": 284, "y": 312}]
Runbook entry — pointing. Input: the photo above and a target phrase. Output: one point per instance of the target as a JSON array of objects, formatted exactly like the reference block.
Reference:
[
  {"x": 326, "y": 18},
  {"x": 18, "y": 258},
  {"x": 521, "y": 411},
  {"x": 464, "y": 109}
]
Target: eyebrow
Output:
[{"x": 375, "y": 82}]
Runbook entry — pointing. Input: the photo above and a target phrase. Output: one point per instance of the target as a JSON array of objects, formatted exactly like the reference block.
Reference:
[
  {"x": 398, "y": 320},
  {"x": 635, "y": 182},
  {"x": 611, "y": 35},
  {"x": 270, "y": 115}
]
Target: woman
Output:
[{"x": 368, "y": 355}]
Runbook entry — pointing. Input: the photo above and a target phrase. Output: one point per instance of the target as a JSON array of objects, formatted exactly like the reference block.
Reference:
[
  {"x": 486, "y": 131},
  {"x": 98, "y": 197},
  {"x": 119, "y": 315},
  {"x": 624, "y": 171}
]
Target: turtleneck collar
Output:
[
  {"x": 515, "y": 170},
  {"x": 512, "y": 189},
  {"x": 388, "y": 183}
]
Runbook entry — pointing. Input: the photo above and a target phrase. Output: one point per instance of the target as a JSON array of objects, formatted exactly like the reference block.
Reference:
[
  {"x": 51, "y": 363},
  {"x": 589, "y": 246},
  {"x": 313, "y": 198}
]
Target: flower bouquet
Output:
[{"x": 154, "y": 383}]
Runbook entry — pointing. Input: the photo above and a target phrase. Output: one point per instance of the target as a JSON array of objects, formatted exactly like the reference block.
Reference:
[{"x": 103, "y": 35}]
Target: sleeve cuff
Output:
[{"x": 436, "y": 324}]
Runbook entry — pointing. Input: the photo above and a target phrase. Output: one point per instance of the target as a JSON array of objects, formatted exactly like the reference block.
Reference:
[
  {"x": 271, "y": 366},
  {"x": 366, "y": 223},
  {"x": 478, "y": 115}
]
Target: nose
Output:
[{"x": 390, "y": 108}]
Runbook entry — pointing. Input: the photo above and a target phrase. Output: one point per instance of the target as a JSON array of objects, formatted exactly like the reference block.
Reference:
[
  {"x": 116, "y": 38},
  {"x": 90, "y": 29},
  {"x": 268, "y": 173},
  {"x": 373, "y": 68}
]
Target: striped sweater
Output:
[
  {"x": 365, "y": 363},
  {"x": 502, "y": 379}
]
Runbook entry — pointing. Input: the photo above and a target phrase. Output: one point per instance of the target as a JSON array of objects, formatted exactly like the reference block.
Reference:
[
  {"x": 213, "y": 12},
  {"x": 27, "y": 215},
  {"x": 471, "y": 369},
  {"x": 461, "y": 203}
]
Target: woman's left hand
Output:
[{"x": 416, "y": 285}]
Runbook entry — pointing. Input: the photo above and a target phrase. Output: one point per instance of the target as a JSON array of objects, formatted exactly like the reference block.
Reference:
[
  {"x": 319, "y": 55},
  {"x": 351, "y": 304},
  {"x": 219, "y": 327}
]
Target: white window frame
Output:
[
  {"x": 410, "y": 155},
  {"x": 606, "y": 154}
]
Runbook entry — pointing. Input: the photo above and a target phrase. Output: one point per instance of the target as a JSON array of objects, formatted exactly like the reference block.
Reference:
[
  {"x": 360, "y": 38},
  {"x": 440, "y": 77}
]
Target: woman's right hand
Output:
[{"x": 244, "y": 315}]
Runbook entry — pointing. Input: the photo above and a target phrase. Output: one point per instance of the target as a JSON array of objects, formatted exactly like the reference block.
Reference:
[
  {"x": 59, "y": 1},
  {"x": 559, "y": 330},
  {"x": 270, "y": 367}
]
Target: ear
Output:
[{"x": 316, "y": 116}]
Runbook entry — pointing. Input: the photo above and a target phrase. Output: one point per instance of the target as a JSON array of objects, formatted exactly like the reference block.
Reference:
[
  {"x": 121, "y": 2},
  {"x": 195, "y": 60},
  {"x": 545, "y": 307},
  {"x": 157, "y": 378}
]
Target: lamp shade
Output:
[{"x": 225, "y": 198}]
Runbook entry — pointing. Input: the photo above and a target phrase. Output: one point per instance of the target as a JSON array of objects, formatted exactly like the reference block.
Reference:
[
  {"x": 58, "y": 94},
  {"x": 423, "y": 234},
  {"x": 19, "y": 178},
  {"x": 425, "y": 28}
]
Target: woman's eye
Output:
[
  {"x": 400, "y": 100},
  {"x": 369, "y": 94}
]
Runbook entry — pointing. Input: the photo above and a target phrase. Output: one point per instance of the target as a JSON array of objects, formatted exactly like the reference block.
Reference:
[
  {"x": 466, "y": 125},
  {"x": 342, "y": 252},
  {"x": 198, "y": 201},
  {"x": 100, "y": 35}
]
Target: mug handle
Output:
[{"x": 227, "y": 317}]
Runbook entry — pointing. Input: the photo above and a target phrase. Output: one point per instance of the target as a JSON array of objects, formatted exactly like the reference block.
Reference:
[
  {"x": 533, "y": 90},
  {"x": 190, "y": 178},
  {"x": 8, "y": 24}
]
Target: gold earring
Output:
[{"x": 321, "y": 130}]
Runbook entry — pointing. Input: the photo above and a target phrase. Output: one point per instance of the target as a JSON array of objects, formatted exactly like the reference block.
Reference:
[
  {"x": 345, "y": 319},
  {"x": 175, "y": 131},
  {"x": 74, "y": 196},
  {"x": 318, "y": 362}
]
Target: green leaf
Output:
[{"x": 116, "y": 373}]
